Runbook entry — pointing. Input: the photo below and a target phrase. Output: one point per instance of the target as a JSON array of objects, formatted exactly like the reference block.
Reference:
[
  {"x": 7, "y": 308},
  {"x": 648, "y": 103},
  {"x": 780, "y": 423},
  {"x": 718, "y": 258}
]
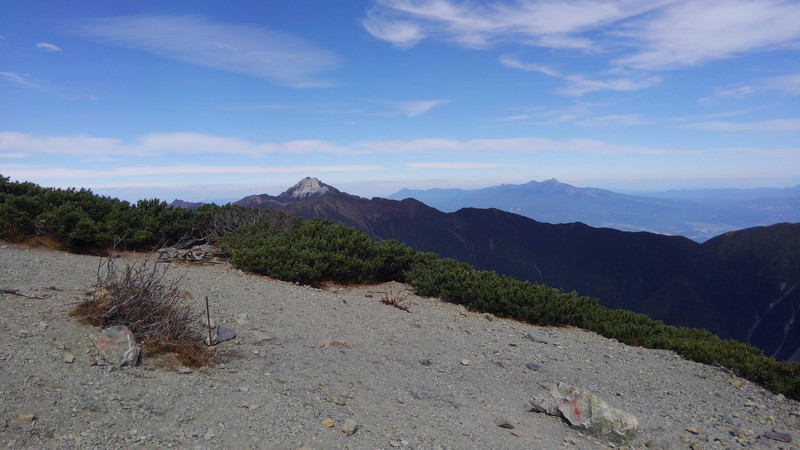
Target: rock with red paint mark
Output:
[
  {"x": 587, "y": 412},
  {"x": 117, "y": 345}
]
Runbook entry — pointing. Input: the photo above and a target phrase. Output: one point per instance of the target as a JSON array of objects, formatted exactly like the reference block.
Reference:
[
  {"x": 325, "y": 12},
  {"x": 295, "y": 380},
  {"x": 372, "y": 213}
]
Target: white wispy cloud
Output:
[
  {"x": 786, "y": 84},
  {"x": 551, "y": 24},
  {"x": 775, "y": 125},
  {"x": 36, "y": 172},
  {"x": 413, "y": 108},
  {"x": 453, "y": 165},
  {"x": 46, "y": 46},
  {"x": 17, "y": 78},
  {"x": 692, "y": 32},
  {"x": 161, "y": 143},
  {"x": 644, "y": 35},
  {"x": 276, "y": 56},
  {"x": 578, "y": 85},
  {"x": 613, "y": 120}
]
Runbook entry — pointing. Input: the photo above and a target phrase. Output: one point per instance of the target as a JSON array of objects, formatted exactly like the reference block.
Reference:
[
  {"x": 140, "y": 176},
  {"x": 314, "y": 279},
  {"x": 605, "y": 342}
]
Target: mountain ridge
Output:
[
  {"x": 670, "y": 278},
  {"x": 700, "y": 217}
]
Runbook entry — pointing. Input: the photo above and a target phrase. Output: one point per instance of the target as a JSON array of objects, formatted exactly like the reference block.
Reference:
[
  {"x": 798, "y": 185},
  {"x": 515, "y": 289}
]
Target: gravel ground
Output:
[{"x": 437, "y": 376}]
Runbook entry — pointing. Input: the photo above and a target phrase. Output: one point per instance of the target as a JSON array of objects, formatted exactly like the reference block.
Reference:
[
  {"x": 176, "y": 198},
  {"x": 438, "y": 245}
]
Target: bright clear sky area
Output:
[{"x": 219, "y": 99}]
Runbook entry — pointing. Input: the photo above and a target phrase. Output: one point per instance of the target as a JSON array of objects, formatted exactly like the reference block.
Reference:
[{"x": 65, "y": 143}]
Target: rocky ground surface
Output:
[{"x": 309, "y": 363}]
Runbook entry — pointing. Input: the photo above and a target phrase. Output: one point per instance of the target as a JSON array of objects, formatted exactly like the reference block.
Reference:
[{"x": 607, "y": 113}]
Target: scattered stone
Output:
[
  {"x": 533, "y": 366},
  {"x": 185, "y": 371},
  {"x": 349, "y": 427},
  {"x": 261, "y": 337},
  {"x": 27, "y": 417},
  {"x": 657, "y": 445},
  {"x": 218, "y": 333},
  {"x": 328, "y": 422},
  {"x": 502, "y": 422},
  {"x": 464, "y": 362},
  {"x": 241, "y": 319},
  {"x": 693, "y": 430},
  {"x": 585, "y": 411},
  {"x": 735, "y": 383},
  {"x": 337, "y": 400},
  {"x": 425, "y": 362},
  {"x": 778, "y": 436},
  {"x": 695, "y": 446},
  {"x": 571, "y": 440},
  {"x": 763, "y": 441},
  {"x": 398, "y": 443},
  {"x": 333, "y": 343},
  {"x": 225, "y": 333},
  {"x": 117, "y": 345},
  {"x": 69, "y": 358},
  {"x": 529, "y": 337}
]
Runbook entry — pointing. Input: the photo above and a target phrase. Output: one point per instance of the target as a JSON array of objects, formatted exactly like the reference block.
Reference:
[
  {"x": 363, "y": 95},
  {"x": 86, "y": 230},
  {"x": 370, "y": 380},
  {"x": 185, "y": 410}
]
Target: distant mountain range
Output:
[
  {"x": 740, "y": 285},
  {"x": 696, "y": 214}
]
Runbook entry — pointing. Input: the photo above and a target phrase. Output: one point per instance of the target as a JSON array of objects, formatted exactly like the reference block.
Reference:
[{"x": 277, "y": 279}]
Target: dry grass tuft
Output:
[
  {"x": 151, "y": 305},
  {"x": 396, "y": 300}
]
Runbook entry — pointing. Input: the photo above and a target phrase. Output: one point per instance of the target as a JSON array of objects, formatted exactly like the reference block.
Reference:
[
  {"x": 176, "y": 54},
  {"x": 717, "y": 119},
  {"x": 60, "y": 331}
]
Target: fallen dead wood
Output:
[{"x": 17, "y": 292}]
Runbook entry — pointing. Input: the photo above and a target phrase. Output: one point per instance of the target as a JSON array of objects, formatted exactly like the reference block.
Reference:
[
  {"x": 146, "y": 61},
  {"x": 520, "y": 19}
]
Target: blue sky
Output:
[{"x": 220, "y": 99}]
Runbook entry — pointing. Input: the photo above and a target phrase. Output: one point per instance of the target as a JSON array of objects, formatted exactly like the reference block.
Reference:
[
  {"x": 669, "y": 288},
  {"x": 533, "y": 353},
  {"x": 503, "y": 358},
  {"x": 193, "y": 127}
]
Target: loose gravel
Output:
[{"x": 336, "y": 368}]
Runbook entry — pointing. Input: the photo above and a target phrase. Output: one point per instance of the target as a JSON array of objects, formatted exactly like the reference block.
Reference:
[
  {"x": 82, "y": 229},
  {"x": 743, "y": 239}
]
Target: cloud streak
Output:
[
  {"x": 775, "y": 125},
  {"x": 413, "y": 108},
  {"x": 48, "y": 47},
  {"x": 578, "y": 85},
  {"x": 19, "y": 79},
  {"x": 278, "y": 57}
]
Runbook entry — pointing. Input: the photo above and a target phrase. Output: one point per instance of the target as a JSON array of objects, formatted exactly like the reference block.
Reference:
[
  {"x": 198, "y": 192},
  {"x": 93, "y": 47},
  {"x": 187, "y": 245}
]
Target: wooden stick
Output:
[
  {"x": 208, "y": 316},
  {"x": 17, "y": 292}
]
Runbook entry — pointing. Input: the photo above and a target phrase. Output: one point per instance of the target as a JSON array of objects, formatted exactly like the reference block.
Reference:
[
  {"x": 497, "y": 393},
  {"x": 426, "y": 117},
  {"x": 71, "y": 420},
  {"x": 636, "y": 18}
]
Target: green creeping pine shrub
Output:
[
  {"x": 314, "y": 251},
  {"x": 318, "y": 250}
]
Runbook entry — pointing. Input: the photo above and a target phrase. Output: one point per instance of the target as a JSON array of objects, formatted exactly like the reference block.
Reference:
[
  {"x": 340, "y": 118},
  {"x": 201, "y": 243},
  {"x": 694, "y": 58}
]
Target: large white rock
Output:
[{"x": 587, "y": 412}]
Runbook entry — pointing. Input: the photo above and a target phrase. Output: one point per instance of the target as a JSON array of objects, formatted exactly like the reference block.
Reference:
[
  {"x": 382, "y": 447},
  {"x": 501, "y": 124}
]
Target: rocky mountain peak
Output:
[{"x": 307, "y": 187}]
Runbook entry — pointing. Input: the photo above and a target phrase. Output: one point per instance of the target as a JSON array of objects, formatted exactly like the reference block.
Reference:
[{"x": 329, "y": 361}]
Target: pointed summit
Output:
[{"x": 307, "y": 187}]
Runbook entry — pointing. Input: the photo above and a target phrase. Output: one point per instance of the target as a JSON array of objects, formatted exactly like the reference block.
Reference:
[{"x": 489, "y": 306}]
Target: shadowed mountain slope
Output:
[{"x": 740, "y": 285}]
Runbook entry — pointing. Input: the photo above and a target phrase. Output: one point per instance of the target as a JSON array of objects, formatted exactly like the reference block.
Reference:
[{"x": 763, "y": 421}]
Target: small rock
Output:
[
  {"x": 260, "y": 336},
  {"x": 69, "y": 358},
  {"x": 735, "y": 383},
  {"x": 336, "y": 400},
  {"x": 398, "y": 443},
  {"x": 27, "y": 417},
  {"x": 185, "y": 371},
  {"x": 502, "y": 422},
  {"x": 657, "y": 445},
  {"x": 328, "y": 422},
  {"x": 244, "y": 388},
  {"x": 533, "y": 366},
  {"x": 332, "y": 343},
  {"x": 425, "y": 362},
  {"x": 693, "y": 430},
  {"x": 778, "y": 436},
  {"x": 696, "y": 446},
  {"x": 529, "y": 337},
  {"x": 349, "y": 427},
  {"x": 241, "y": 319},
  {"x": 571, "y": 440},
  {"x": 464, "y": 362}
]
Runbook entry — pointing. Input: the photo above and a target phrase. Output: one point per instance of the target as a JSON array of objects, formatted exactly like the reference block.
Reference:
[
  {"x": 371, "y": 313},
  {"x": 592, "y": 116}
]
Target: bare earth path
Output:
[{"x": 438, "y": 376}]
